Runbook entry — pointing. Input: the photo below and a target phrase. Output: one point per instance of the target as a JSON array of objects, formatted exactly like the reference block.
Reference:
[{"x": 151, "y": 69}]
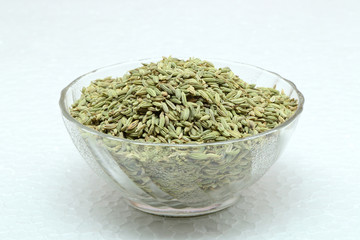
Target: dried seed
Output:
[
  {"x": 183, "y": 99},
  {"x": 179, "y": 101},
  {"x": 185, "y": 114},
  {"x": 170, "y": 104},
  {"x": 204, "y": 118},
  {"x": 165, "y": 107},
  {"x": 133, "y": 125},
  {"x": 162, "y": 120},
  {"x": 110, "y": 126}
]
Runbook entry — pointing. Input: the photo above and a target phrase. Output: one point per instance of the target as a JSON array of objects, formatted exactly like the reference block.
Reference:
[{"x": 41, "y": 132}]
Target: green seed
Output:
[
  {"x": 178, "y": 101},
  {"x": 165, "y": 107}
]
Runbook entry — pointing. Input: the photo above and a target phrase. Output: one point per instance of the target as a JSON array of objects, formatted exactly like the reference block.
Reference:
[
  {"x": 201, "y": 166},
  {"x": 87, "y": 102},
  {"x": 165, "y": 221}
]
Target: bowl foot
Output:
[{"x": 183, "y": 212}]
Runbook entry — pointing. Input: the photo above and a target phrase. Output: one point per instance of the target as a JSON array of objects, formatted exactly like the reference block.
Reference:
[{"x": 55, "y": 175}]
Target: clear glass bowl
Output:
[{"x": 181, "y": 179}]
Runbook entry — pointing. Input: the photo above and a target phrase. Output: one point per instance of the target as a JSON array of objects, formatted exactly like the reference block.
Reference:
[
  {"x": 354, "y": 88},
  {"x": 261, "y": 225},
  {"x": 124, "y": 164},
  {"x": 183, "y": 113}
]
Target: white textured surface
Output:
[{"x": 48, "y": 192}]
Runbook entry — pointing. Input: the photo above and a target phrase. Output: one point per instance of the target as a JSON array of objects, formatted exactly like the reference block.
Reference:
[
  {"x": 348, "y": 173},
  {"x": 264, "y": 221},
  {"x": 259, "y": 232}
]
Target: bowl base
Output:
[{"x": 184, "y": 212}]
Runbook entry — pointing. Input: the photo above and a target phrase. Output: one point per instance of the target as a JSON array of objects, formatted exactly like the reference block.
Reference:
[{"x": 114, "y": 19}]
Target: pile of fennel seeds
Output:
[{"x": 181, "y": 101}]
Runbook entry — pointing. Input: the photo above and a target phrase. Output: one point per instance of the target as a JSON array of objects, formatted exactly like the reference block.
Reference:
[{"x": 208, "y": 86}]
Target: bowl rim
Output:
[{"x": 67, "y": 115}]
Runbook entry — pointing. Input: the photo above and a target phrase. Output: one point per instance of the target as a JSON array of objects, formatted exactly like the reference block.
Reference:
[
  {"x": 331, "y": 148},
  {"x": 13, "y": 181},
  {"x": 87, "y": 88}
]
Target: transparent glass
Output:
[{"x": 176, "y": 179}]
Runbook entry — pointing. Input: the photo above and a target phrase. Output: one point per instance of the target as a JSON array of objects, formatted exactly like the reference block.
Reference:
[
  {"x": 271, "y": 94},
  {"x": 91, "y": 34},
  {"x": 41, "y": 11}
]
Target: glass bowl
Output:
[{"x": 181, "y": 179}]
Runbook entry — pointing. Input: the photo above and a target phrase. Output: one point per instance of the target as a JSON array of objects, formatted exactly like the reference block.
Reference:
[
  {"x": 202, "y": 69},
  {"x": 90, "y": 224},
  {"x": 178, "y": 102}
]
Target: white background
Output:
[{"x": 48, "y": 192}]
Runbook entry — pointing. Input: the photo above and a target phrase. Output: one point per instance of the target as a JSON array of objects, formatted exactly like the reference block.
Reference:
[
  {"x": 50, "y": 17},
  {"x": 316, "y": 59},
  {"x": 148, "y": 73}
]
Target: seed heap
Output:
[{"x": 178, "y": 101}]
